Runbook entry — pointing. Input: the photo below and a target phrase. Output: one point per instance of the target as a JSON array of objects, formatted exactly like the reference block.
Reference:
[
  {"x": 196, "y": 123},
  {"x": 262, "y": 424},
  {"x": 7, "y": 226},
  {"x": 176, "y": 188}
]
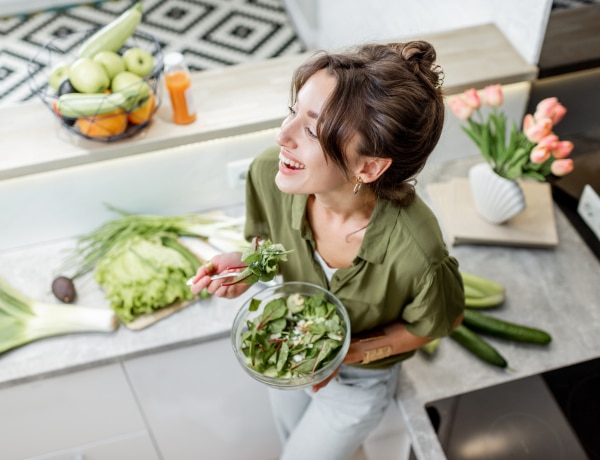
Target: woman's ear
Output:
[{"x": 373, "y": 168}]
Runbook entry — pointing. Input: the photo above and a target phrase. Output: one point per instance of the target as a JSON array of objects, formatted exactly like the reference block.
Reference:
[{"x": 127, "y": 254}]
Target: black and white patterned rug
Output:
[{"x": 210, "y": 34}]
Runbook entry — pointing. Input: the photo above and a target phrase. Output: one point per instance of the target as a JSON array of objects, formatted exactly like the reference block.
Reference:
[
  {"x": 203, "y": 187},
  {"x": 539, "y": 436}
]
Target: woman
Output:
[{"x": 339, "y": 191}]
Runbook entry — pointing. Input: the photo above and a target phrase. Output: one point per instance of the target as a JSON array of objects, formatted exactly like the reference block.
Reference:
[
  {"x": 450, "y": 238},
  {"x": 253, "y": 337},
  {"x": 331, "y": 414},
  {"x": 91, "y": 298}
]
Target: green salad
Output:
[{"x": 294, "y": 336}]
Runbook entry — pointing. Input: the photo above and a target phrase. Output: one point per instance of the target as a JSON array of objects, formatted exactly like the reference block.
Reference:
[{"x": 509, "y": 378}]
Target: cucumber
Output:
[
  {"x": 113, "y": 35},
  {"x": 479, "y": 347},
  {"x": 504, "y": 329}
]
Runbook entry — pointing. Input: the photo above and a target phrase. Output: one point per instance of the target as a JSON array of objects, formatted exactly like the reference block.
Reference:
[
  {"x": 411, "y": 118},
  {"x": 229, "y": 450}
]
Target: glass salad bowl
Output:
[
  {"x": 292, "y": 335},
  {"x": 89, "y": 117}
]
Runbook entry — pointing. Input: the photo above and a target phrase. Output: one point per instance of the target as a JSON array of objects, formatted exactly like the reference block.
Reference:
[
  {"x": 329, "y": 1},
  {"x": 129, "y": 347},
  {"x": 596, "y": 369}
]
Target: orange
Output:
[
  {"x": 143, "y": 113},
  {"x": 105, "y": 125}
]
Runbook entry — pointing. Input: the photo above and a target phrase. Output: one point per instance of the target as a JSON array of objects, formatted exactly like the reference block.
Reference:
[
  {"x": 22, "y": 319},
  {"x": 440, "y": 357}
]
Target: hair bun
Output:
[{"x": 420, "y": 57}]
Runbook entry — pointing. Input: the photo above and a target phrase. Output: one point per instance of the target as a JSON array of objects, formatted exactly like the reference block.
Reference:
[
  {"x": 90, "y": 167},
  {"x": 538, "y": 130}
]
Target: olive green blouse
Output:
[{"x": 402, "y": 271}]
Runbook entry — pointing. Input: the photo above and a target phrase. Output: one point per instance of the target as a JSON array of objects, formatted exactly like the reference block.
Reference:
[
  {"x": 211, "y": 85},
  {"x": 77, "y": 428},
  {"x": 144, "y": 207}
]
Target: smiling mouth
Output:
[{"x": 290, "y": 164}]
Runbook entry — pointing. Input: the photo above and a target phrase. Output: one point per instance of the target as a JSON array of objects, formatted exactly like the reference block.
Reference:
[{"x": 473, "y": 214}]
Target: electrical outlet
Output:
[
  {"x": 237, "y": 172},
  {"x": 589, "y": 208}
]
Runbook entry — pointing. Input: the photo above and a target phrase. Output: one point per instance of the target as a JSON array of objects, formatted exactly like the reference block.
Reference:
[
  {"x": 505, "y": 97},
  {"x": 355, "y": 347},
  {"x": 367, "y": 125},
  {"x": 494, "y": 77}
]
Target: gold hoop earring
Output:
[{"x": 357, "y": 185}]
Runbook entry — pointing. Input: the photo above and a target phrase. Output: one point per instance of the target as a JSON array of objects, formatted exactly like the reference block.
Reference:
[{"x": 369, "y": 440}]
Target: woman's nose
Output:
[{"x": 285, "y": 135}]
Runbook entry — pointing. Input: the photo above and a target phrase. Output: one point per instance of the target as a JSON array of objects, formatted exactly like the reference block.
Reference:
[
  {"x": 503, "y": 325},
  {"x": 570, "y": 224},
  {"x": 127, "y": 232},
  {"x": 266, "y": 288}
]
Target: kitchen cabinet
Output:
[
  {"x": 91, "y": 413},
  {"x": 199, "y": 403}
]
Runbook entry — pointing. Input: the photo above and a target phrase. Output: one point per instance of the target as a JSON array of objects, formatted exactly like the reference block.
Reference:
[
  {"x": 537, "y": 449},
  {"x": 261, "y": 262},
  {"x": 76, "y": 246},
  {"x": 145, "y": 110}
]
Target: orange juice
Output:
[{"x": 178, "y": 82}]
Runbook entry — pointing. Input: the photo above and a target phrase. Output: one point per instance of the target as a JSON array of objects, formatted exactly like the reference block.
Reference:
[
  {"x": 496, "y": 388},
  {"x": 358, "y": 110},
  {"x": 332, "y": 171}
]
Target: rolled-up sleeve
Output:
[{"x": 439, "y": 302}]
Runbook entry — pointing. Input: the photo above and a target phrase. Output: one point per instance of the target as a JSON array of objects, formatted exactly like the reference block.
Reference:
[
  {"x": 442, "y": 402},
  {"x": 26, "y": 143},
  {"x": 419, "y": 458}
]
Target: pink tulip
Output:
[
  {"x": 539, "y": 154},
  {"x": 550, "y": 141},
  {"x": 563, "y": 149},
  {"x": 550, "y": 108},
  {"x": 460, "y": 108},
  {"x": 472, "y": 98},
  {"x": 561, "y": 167},
  {"x": 492, "y": 95},
  {"x": 535, "y": 130}
]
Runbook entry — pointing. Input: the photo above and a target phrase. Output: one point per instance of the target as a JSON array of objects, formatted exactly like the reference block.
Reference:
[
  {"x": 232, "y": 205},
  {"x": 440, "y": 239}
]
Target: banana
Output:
[{"x": 113, "y": 36}]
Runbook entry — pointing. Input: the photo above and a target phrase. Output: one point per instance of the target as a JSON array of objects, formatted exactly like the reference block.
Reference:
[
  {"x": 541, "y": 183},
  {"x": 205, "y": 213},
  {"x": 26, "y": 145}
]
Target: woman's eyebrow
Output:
[{"x": 313, "y": 114}]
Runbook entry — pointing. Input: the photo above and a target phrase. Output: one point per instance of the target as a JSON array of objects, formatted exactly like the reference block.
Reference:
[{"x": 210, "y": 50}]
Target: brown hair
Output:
[{"x": 391, "y": 96}]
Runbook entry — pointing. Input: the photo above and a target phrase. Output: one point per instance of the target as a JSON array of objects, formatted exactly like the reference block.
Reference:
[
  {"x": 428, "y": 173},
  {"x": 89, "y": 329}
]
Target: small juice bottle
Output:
[{"x": 178, "y": 82}]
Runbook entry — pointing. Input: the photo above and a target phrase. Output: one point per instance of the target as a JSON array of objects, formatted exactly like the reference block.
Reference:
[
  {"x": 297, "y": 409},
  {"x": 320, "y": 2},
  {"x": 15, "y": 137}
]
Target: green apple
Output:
[
  {"x": 58, "y": 74},
  {"x": 88, "y": 76},
  {"x": 113, "y": 62},
  {"x": 138, "y": 61},
  {"x": 133, "y": 87}
]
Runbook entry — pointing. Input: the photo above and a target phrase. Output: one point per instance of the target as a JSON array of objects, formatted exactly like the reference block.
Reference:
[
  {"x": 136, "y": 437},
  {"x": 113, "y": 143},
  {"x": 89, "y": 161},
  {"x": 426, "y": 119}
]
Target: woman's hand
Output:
[{"x": 219, "y": 264}]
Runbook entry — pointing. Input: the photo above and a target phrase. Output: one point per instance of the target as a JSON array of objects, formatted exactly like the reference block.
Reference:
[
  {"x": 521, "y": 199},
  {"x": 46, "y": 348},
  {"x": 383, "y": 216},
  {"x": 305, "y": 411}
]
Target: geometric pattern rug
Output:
[{"x": 210, "y": 34}]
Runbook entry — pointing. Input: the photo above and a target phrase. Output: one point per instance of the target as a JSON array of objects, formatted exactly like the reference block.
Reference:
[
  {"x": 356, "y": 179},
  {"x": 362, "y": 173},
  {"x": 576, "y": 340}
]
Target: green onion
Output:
[
  {"x": 23, "y": 320},
  {"x": 91, "y": 248}
]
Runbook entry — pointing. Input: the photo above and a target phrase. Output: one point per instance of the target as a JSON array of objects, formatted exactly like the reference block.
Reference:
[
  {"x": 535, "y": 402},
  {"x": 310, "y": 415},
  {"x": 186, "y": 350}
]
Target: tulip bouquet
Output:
[{"x": 534, "y": 152}]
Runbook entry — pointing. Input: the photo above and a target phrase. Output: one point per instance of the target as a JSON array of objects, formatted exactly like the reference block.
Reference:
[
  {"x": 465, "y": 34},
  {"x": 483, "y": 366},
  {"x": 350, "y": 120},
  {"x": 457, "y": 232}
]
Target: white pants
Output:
[{"x": 334, "y": 422}]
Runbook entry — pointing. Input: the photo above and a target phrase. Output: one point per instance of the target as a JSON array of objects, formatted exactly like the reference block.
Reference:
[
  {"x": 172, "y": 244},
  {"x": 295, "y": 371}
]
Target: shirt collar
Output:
[{"x": 377, "y": 237}]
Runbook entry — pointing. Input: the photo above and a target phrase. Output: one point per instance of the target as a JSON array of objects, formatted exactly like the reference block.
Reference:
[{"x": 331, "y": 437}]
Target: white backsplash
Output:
[{"x": 71, "y": 201}]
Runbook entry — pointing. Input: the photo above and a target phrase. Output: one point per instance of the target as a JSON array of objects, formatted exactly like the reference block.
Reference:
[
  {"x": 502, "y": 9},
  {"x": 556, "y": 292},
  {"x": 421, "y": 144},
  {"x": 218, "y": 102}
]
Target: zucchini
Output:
[
  {"x": 113, "y": 35},
  {"x": 75, "y": 105},
  {"x": 478, "y": 346},
  {"x": 431, "y": 347},
  {"x": 481, "y": 292},
  {"x": 504, "y": 329},
  {"x": 484, "y": 285}
]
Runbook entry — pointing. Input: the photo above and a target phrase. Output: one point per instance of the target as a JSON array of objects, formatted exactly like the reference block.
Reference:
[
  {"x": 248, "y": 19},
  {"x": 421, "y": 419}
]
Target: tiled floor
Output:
[{"x": 210, "y": 33}]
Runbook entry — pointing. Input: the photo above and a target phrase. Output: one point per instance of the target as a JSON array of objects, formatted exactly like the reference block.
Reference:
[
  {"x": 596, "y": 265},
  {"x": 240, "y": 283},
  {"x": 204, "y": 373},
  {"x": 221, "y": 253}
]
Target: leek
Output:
[{"x": 24, "y": 320}]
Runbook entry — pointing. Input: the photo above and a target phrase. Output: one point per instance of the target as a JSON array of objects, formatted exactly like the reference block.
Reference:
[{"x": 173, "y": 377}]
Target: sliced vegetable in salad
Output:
[
  {"x": 293, "y": 336},
  {"x": 261, "y": 262}
]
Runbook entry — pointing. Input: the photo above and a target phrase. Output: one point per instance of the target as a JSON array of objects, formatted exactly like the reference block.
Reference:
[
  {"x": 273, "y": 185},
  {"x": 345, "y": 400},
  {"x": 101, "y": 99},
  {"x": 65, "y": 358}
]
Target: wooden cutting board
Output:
[{"x": 148, "y": 319}]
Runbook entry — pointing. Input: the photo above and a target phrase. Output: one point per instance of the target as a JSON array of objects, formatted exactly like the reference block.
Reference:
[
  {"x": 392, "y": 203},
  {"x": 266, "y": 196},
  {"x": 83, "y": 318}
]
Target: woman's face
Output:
[{"x": 303, "y": 168}]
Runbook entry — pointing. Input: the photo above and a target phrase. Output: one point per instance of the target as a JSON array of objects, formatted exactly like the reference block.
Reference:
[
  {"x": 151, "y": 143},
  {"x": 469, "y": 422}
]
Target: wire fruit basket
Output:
[{"x": 123, "y": 122}]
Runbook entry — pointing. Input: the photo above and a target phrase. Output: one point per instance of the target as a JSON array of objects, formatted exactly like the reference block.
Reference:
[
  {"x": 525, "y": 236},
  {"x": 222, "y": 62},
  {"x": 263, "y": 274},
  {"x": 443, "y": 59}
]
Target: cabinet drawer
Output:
[
  {"x": 58, "y": 413},
  {"x": 199, "y": 403}
]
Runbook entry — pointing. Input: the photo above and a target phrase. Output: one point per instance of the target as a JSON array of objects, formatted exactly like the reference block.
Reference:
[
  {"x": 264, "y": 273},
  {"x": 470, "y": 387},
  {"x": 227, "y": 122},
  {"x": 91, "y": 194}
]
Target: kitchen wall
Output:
[
  {"x": 42, "y": 207},
  {"x": 338, "y": 23}
]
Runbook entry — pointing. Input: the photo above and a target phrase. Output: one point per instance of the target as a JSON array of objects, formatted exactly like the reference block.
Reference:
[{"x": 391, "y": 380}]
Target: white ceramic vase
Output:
[{"x": 496, "y": 199}]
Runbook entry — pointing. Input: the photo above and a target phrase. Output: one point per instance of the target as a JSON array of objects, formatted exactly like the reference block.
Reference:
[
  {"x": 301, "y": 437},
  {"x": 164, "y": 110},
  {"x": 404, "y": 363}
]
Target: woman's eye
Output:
[
  {"x": 311, "y": 133},
  {"x": 292, "y": 111}
]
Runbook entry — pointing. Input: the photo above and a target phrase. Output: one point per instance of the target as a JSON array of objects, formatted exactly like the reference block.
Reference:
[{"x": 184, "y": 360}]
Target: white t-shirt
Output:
[{"x": 329, "y": 272}]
